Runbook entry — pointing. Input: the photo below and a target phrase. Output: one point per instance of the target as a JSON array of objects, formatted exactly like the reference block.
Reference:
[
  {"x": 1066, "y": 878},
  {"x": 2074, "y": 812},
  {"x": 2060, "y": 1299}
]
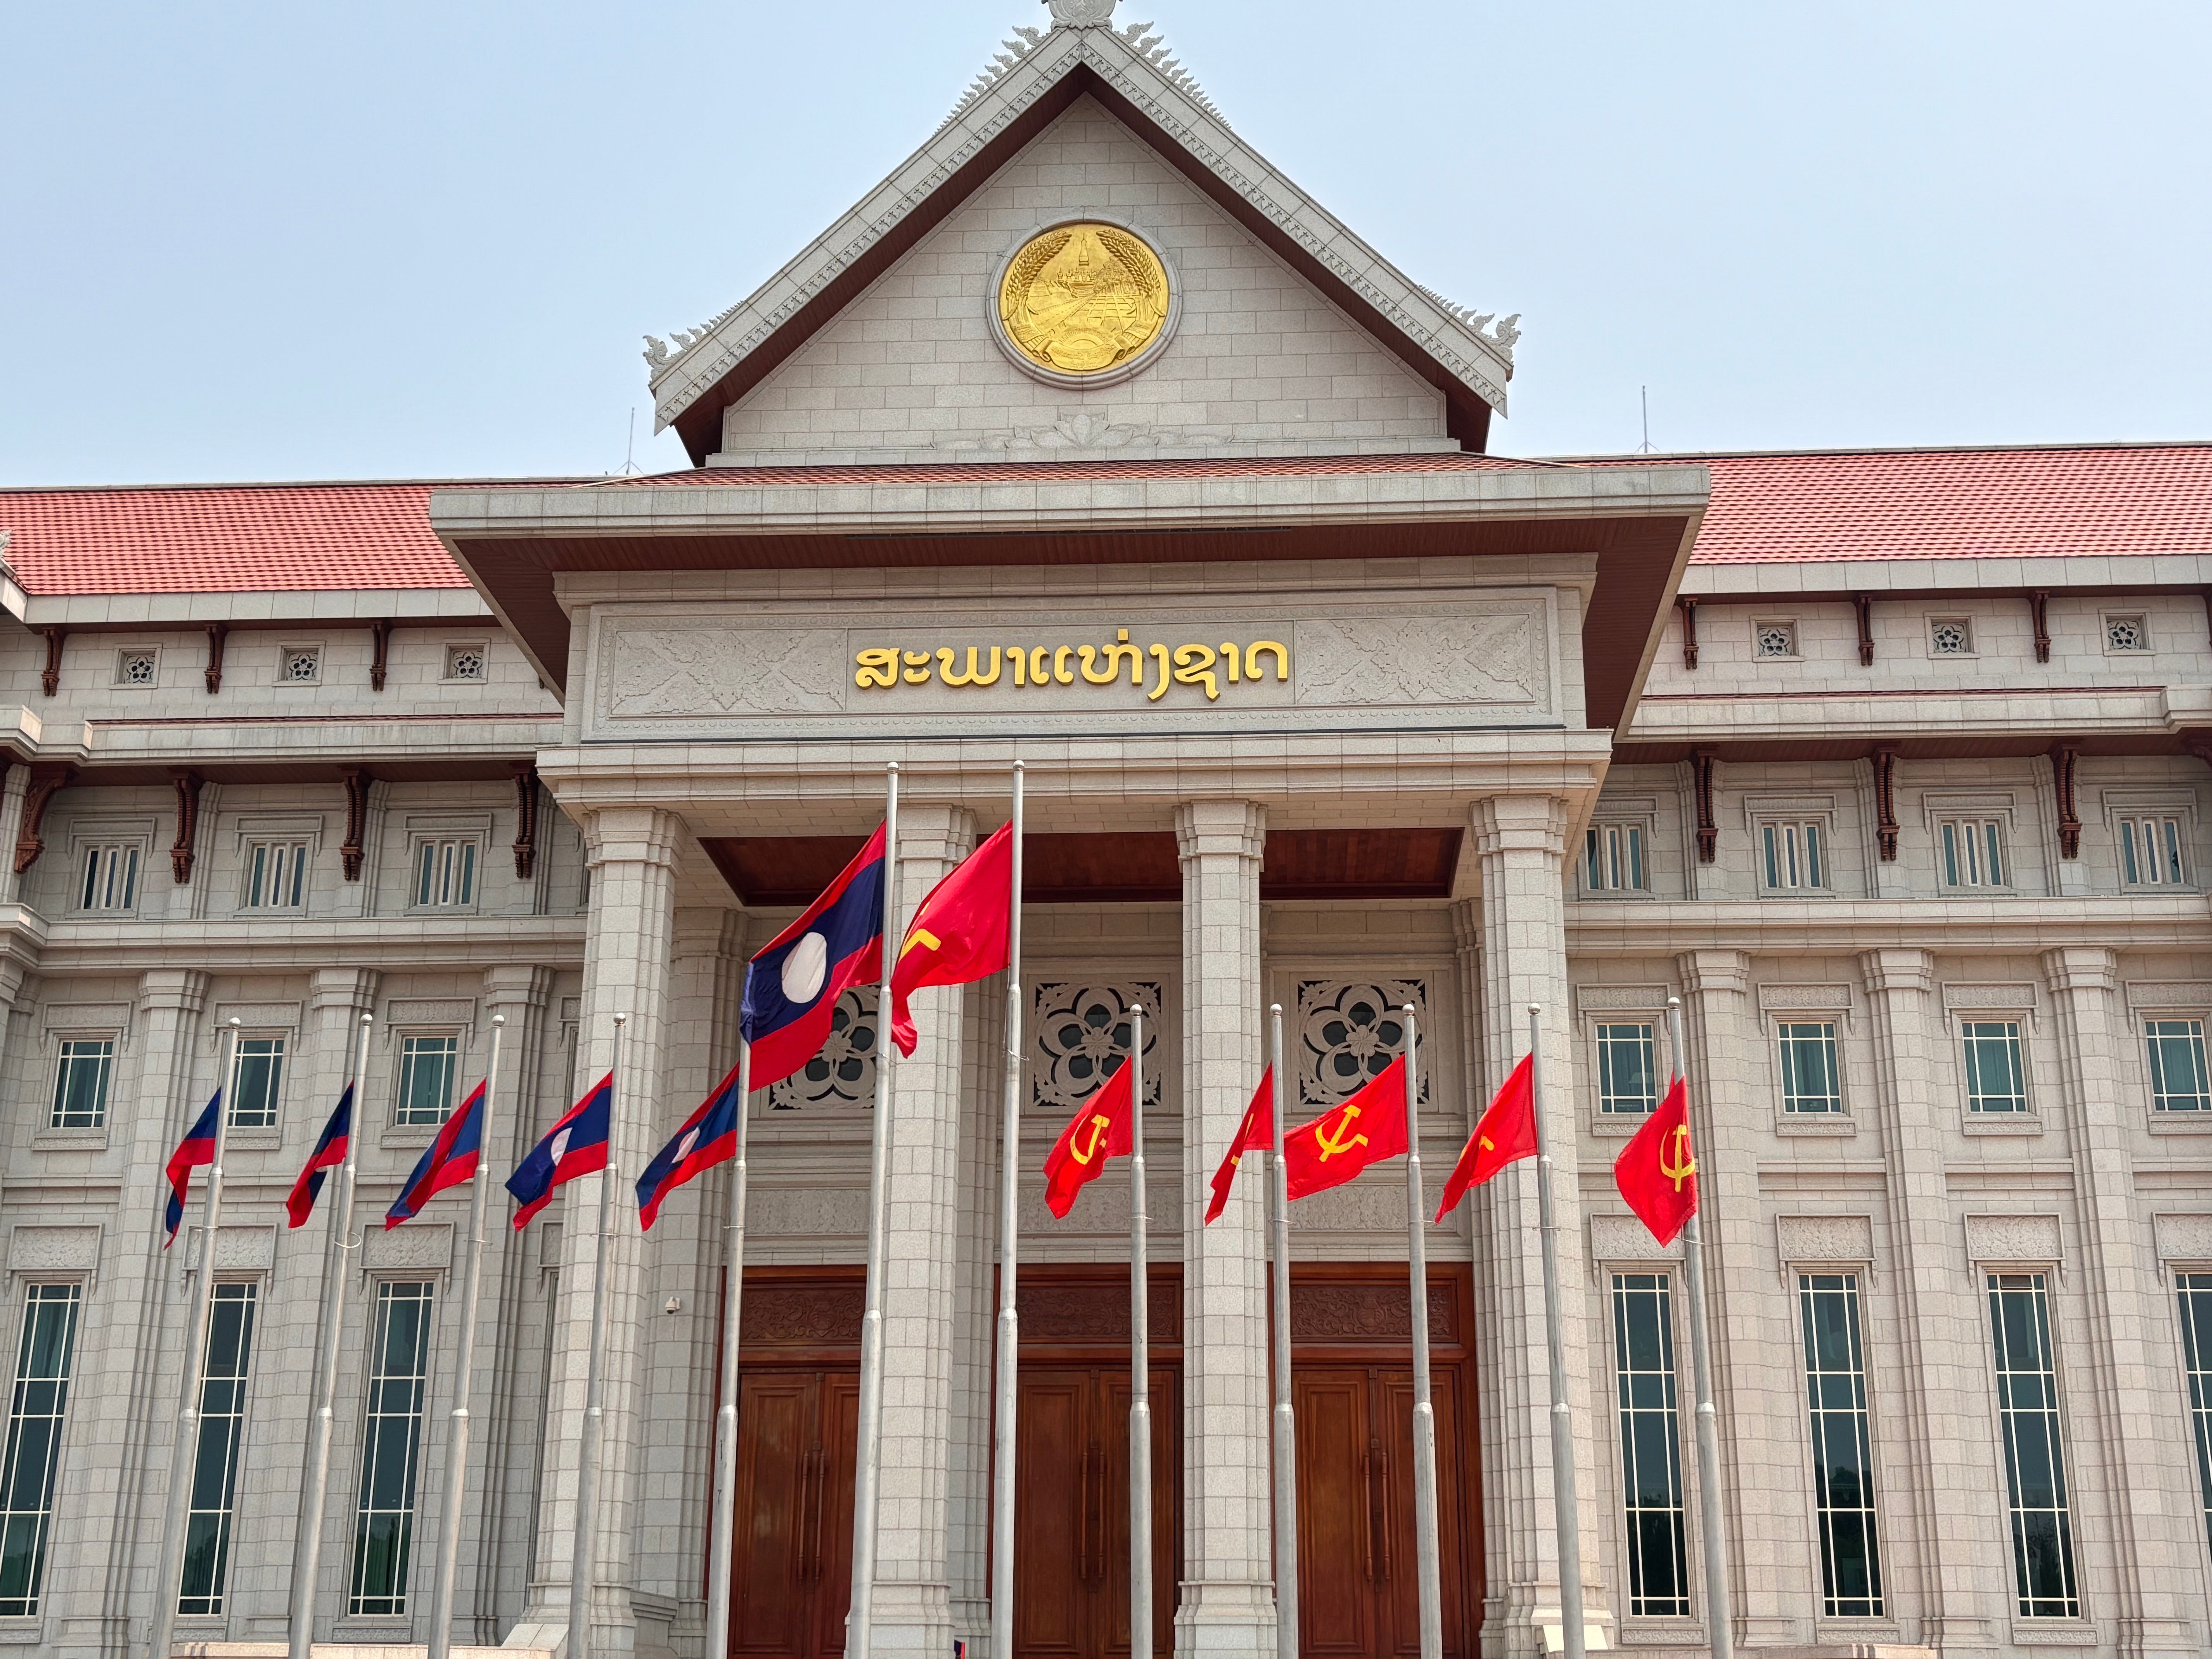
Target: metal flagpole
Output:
[
  {"x": 723, "y": 1542},
  {"x": 186, "y": 1454},
  {"x": 1566, "y": 1517},
  {"x": 457, "y": 1446},
  {"x": 1141, "y": 1361},
  {"x": 859, "y": 1624},
  {"x": 1719, "y": 1628},
  {"x": 1425, "y": 1411},
  {"x": 307, "y": 1557},
  {"x": 584, "y": 1563},
  {"x": 1286, "y": 1432},
  {"x": 1010, "y": 1172}
]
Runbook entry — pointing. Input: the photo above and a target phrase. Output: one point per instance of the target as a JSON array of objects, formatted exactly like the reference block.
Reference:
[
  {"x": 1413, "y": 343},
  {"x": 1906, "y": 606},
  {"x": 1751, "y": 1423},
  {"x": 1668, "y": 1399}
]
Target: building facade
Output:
[{"x": 1087, "y": 440}]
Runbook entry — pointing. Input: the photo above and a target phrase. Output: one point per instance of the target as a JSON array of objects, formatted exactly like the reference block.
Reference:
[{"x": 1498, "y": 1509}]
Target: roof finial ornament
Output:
[{"x": 1081, "y": 13}]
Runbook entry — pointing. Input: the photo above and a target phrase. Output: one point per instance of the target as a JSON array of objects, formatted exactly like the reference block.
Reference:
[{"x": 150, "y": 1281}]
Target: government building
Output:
[{"x": 1088, "y": 440}]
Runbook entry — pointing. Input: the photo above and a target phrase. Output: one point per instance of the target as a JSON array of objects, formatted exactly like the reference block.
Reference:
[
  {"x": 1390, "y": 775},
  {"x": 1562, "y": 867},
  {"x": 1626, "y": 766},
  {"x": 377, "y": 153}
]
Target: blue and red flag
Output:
[
  {"x": 330, "y": 1152},
  {"x": 451, "y": 1160},
  {"x": 708, "y": 1137},
  {"x": 575, "y": 1145},
  {"x": 792, "y": 986},
  {"x": 198, "y": 1147}
]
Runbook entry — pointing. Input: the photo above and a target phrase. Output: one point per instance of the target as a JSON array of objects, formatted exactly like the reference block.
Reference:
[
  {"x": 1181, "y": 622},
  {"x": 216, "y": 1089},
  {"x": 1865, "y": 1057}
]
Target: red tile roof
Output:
[{"x": 2112, "y": 501}]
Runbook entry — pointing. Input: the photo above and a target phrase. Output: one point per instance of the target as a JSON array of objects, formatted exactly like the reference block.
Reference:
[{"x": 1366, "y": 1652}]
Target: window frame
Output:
[
  {"x": 2195, "y": 1365},
  {"x": 1992, "y": 1273},
  {"x": 59, "y": 1059},
  {"x": 2199, "y": 1020},
  {"x": 1635, "y": 831},
  {"x": 86, "y": 845},
  {"x": 401, "y": 1076},
  {"x": 243, "y": 1381},
  {"x": 1984, "y": 838},
  {"x": 1687, "y": 1612},
  {"x": 251, "y": 849},
  {"x": 1854, "y": 1276},
  {"x": 1619, "y": 1119},
  {"x": 2126, "y": 807},
  {"x": 1961, "y": 1018},
  {"x": 31, "y": 1286},
  {"x": 471, "y": 843},
  {"x": 252, "y": 1133},
  {"x": 1780, "y": 1019},
  {"x": 398, "y": 1604}
]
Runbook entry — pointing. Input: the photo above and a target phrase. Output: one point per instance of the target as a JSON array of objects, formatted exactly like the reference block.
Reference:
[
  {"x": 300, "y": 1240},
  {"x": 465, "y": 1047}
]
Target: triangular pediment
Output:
[{"x": 1402, "y": 348}]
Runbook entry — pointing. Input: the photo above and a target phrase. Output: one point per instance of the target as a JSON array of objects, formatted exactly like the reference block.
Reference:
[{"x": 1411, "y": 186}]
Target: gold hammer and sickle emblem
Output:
[
  {"x": 1099, "y": 1124},
  {"x": 922, "y": 936},
  {"x": 1341, "y": 1143},
  {"x": 1684, "y": 1165}
]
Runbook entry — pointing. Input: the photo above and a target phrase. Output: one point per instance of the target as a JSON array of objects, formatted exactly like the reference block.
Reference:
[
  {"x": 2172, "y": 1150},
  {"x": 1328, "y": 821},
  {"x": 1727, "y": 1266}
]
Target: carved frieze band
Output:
[
  {"x": 1989, "y": 999},
  {"x": 237, "y": 1249},
  {"x": 1810, "y": 1241},
  {"x": 1378, "y": 1312},
  {"x": 1621, "y": 998},
  {"x": 1624, "y": 1238},
  {"x": 2026, "y": 1240},
  {"x": 2181, "y": 994},
  {"x": 1835, "y": 1000},
  {"x": 2184, "y": 1238},
  {"x": 1061, "y": 1312},
  {"x": 422, "y": 1247},
  {"x": 34, "y": 1250},
  {"x": 825, "y": 1314}
]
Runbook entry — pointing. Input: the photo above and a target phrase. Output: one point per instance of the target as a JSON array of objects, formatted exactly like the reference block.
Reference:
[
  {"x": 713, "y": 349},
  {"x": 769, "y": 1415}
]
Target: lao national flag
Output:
[
  {"x": 451, "y": 1160},
  {"x": 198, "y": 1147},
  {"x": 708, "y": 1137},
  {"x": 330, "y": 1152},
  {"x": 792, "y": 986},
  {"x": 576, "y": 1146}
]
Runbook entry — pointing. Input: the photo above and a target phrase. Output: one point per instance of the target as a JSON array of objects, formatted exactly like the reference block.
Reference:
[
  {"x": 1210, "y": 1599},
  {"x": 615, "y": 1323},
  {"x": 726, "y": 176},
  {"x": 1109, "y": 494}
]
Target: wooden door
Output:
[
  {"x": 792, "y": 1577},
  {"x": 1113, "y": 1639}
]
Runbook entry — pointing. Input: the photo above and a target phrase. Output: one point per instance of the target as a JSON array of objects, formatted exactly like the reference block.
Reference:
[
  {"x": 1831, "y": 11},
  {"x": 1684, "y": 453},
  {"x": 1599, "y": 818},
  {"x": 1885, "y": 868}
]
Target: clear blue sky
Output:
[{"x": 284, "y": 240}]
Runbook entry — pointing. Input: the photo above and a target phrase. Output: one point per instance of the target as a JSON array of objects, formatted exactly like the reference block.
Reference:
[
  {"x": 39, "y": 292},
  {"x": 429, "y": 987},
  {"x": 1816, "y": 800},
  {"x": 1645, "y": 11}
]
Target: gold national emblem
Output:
[{"x": 1083, "y": 298}]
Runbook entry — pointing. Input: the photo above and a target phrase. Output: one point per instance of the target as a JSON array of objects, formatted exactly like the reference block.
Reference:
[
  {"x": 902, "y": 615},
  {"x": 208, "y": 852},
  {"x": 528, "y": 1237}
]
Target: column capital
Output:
[
  {"x": 343, "y": 989},
  {"x": 1714, "y": 973},
  {"x": 2076, "y": 968},
  {"x": 709, "y": 930},
  {"x": 1467, "y": 925},
  {"x": 941, "y": 831},
  {"x": 183, "y": 990},
  {"x": 1885, "y": 971},
  {"x": 632, "y": 834},
  {"x": 1220, "y": 828},
  {"x": 1519, "y": 824},
  {"x": 517, "y": 985}
]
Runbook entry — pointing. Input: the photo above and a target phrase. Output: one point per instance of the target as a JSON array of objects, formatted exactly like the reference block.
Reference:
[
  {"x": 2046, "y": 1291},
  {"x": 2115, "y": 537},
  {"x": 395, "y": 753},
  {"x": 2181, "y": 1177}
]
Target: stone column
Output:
[
  {"x": 1773, "y": 1574},
  {"x": 632, "y": 852},
  {"x": 914, "y": 1596},
  {"x": 2154, "y": 1523},
  {"x": 1521, "y": 842},
  {"x": 1942, "y": 1329},
  {"x": 974, "y": 1311},
  {"x": 106, "y": 1542},
  {"x": 1227, "y": 1604}
]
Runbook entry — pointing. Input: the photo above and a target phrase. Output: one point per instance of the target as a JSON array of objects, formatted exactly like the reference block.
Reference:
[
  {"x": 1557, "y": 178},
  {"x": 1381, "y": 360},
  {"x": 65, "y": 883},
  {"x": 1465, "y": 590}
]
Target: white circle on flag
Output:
[
  {"x": 683, "y": 1146},
  {"x": 804, "y": 969},
  {"x": 560, "y": 1148}
]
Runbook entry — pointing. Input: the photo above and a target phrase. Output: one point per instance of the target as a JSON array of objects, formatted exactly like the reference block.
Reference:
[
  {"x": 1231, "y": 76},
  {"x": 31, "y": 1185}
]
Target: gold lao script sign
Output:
[
  {"x": 1083, "y": 298},
  {"x": 1204, "y": 667}
]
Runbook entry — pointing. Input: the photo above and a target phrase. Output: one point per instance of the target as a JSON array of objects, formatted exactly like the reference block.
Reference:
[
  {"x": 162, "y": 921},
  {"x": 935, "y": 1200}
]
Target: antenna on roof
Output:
[
  {"x": 1644, "y": 391},
  {"x": 629, "y": 450}
]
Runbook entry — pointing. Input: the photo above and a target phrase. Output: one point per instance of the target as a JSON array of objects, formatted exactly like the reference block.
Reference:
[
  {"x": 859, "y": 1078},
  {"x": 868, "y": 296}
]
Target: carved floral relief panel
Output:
[
  {"x": 1347, "y": 1033},
  {"x": 842, "y": 1077},
  {"x": 1082, "y": 1036}
]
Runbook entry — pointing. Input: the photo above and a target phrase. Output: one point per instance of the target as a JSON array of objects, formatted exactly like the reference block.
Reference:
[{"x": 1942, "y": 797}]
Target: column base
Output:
[
  {"x": 912, "y": 1620},
  {"x": 1216, "y": 1618}
]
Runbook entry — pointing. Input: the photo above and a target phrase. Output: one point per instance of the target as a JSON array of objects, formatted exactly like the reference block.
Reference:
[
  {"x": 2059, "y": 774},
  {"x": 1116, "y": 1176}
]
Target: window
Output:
[
  {"x": 428, "y": 1065},
  {"x": 35, "y": 1413},
  {"x": 275, "y": 875},
  {"x": 2126, "y": 632},
  {"x": 1627, "y": 1070},
  {"x": 464, "y": 662},
  {"x": 215, "y": 1466},
  {"x": 2150, "y": 851},
  {"x": 1793, "y": 856},
  {"x": 1614, "y": 860},
  {"x": 1996, "y": 1077},
  {"x": 81, "y": 1079},
  {"x": 1774, "y": 638},
  {"x": 391, "y": 1444},
  {"x": 2196, "y": 1291},
  {"x": 1842, "y": 1447},
  {"x": 1650, "y": 1446},
  {"x": 301, "y": 664},
  {"x": 2035, "y": 1460},
  {"x": 446, "y": 873},
  {"x": 138, "y": 666},
  {"x": 110, "y": 876},
  {"x": 1950, "y": 636},
  {"x": 1972, "y": 851},
  {"x": 2179, "y": 1078},
  {"x": 1812, "y": 1080},
  {"x": 260, "y": 1082}
]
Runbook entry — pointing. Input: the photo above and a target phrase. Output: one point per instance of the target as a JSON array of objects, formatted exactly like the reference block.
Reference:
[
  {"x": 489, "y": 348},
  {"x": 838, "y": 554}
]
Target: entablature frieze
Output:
[
  {"x": 1831, "y": 927},
  {"x": 225, "y": 946}
]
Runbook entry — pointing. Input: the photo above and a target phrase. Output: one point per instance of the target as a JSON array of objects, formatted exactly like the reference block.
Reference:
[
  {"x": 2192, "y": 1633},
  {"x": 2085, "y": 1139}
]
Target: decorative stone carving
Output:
[
  {"x": 803, "y": 1316},
  {"x": 1367, "y": 1313},
  {"x": 1063, "y": 1312},
  {"x": 1090, "y": 431},
  {"x": 237, "y": 1249},
  {"x": 843, "y": 1075},
  {"x": 2030, "y": 1240},
  {"x": 2017, "y": 1001},
  {"x": 2189, "y": 996},
  {"x": 808, "y": 1213},
  {"x": 1805, "y": 999},
  {"x": 402, "y": 1012},
  {"x": 255, "y": 1016},
  {"x": 1349, "y": 1031},
  {"x": 1376, "y": 1205},
  {"x": 1442, "y": 659},
  {"x": 419, "y": 1247},
  {"x": 1081, "y": 13},
  {"x": 85, "y": 1017},
  {"x": 2180, "y": 1237},
  {"x": 1624, "y": 1238},
  {"x": 53, "y": 1249},
  {"x": 1812, "y": 1240},
  {"x": 1621, "y": 998},
  {"x": 710, "y": 669},
  {"x": 1082, "y": 1038}
]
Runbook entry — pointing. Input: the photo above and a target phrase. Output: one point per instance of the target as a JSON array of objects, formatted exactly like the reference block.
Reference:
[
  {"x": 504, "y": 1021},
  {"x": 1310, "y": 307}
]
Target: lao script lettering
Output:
[{"x": 1204, "y": 667}]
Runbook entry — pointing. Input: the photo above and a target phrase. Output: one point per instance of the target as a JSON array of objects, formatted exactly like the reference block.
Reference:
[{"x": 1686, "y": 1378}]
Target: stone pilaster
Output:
[
  {"x": 1942, "y": 1329},
  {"x": 1227, "y": 1604},
  {"x": 1773, "y": 1574},
  {"x": 632, "y": 852},
  {"x": 1520, "y": 839},
  {"x": 912, "y": 1594},
  {"x": 2154, "y": 1527},
  {"x": 106, "y": 1546},
  {"x": 974, "y": 1311}
]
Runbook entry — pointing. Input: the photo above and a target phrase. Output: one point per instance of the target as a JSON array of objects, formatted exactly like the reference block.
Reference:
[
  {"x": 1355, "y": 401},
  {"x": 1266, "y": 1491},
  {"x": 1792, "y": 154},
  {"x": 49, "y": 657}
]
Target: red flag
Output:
[
  {"x": 1344, "y": 1140},
  {"x": 1256, "y": 1133},
  {"x": 1101, "y": 1128},
  {"x": 1505, "y": 1134},
  {"x": 1655, "y": 1172},
  {"x": 958, "y": 935}
]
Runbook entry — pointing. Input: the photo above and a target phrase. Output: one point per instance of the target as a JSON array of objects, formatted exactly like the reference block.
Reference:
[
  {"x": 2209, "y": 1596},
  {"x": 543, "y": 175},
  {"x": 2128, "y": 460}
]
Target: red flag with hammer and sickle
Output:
[
  {"x": 1255, "y": 1133},
  {"x": 1506, "y": 1134},
  {"x": 1101, "y": 1128},
  {"x": 958, "y": 933},
  {"x": 1656, "y": 1172},
  {"x": 1347, "y": 1138}
]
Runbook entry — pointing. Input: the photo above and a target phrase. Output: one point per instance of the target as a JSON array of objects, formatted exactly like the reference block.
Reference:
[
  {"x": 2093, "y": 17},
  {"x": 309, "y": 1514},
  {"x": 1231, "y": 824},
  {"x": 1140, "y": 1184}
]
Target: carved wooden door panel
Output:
[
  {"x": 1399, "y": 1586},
  {"x": 1337, "y": 1532},
  {"x": 792, "y": 1577},
  {"x": 1057, "y": 1550},
  {"x": 1112, "y": 1638},
  {"x": 829, "y": 1514}
]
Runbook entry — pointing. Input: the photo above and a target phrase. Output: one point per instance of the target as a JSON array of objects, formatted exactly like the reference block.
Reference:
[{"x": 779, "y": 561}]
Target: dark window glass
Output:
[
  {"x": 1843, "y": 1450},
  {"x": 215, "y": 1471},
  {"x": 2196, "y": 1346},
  {"x": 1650, "y": 1445},
  {"x": 2035, "y": 1457},
  {"x": 391, "y": 1444},
  {"x": 36, "y": 1412}
]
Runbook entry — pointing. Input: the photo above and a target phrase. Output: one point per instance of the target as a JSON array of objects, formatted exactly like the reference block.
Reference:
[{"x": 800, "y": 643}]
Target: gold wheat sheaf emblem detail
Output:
[{"x": 1085, "y": 298}]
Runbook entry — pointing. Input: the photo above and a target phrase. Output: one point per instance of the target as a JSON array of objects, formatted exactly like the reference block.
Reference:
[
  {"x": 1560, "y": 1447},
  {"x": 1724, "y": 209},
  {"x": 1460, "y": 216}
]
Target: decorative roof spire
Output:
[{"x": 1081, "y": 13}]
